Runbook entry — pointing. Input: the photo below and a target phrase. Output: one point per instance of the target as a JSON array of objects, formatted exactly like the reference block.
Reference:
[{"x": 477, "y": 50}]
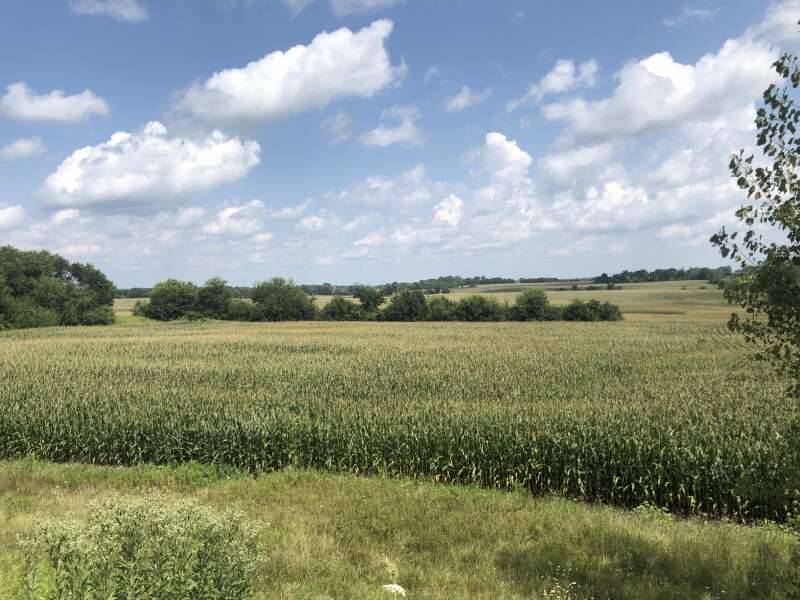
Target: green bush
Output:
[
  {"x": 593, "y": 310},
  {"x": 341, "y": 309},
  {"x": 240, "y": 310},
  {"x": 531, "y": 305},
  {"x": 441, "y": 309},
  {"x": 214, "y": 299},
  {"x": 143, "y": 548},
  {"x": 406, "y": 305},
  {"x": 480, "y": 308},
  {"x": 170, "y": 300},
  {"x": 282, "y": 300}
]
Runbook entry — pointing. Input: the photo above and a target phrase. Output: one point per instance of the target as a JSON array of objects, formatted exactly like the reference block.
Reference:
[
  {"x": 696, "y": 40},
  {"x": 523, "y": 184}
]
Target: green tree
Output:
[
  {"x": 370, "y": 298},
  {"x": 342, "y": 309},
  {"x": 768, "y": 248},
  {"x": 281, "y": 300},
  {"x": 441, "y": 309},
  {"x": 406, "y": 305},
  {"x": 214, "y": 298},
  {"x": 531, "y": 305},
  {"x": 480, "y": 308},
  {"x": 170, "y": 300}
]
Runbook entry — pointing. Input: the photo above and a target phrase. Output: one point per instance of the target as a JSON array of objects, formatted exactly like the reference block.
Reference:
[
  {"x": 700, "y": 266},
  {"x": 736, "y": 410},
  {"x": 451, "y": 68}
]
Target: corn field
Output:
[{"x": 670, "y": 413}]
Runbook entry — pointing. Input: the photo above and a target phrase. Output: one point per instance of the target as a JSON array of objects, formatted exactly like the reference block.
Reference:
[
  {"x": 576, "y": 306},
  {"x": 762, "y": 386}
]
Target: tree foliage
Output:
[
  {"x": 281, "y": 300},
  {"x": 768, "y": 248},
  {"x": 39, "y": 289}
]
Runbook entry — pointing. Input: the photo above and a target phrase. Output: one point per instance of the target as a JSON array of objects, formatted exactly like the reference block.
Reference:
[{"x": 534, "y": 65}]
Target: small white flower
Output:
[{"x": 393, "y": 588}]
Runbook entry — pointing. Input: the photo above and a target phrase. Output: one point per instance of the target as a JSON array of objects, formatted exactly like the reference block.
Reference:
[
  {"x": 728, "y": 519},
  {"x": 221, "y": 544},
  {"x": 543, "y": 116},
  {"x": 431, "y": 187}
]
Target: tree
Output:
[
  {"x": 480, "y": 308},
  {"x": 406, "y": 305},
  {"x": 170, "y": 300},
  {"x": 531, "y": 305},
  {"x": 441, "y": 309},
  {"x": 370, "y": 298},
  {"x": 768, "y": 250},
  {"x": 281, "y": 300},
  {"x": 214, "y": 298},
  {"x": 342, "y": 309}
]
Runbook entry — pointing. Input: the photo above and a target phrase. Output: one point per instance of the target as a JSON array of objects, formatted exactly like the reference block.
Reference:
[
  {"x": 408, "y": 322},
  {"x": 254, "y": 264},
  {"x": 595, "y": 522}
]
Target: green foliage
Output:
[
  {"x": 441, "y": 308},
  {"x": 593, "y": 310},
  {"x": 769, "y": 286},
  {"x": 143, "y": 548},
  {"x": 214, "y": 299},
  {"x": 170, "y": 300},
  {"x": 370, "y": 298},
  {"x": 282, "y": 300},
  {"x": 480, "y": 308},
  {"x": 531, "y": 305},
  {"x": 241, "y": 310},
  {"x": 342, "y": 309},
  {"x": 406, "y": 305},
  {"x": 39, "y": 289}
]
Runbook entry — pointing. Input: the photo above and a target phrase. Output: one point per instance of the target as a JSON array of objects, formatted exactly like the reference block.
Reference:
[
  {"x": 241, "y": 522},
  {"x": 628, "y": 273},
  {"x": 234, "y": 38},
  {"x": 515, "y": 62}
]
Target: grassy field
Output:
[{"x": 665, "y": 408}]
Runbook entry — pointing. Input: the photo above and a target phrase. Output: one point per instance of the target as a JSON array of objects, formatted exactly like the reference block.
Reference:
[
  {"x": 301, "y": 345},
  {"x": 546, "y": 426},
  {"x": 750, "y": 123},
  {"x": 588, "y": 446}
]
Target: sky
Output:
[{"x": 378, "y": 140}]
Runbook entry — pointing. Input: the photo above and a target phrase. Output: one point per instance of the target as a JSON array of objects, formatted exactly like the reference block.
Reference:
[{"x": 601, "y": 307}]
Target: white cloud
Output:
[
  {"x": 339, "y": 127},
  {"x": 68, "y": 214},
  {"x": 148, "y": 167},
  {"x": 449, "y": 211},
  {"x": 563, "y": 165},
  {"x": 131, "y": 11},
  {"x": 564, "y": 77},
  {"x": 405, "y": 132},
  {"x": 658, "y": 92},
  {"x": 189, "y": 216},
  {"x": 11, "y": 216},
  {"x": 239, "y": 220},
  {"x": 297, "y": 6},
  {"x": 334, "y": 65},
  {"x": 466, "y": 98},
  {"x": 21, "y": 103},
  {"x": 504, "y": 158},
  {"x": 359, "y": 7},
  {"x": 689, "y": 14},
  {"x": 80, "y": 250},
  {"x": 22, "y": 148},
  {"x": 431, "y": 73},
  {"x": 313, "y": 223}
]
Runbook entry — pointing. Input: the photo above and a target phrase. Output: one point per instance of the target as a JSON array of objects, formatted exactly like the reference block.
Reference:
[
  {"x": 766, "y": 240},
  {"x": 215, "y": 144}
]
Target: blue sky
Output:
[{"x": 375, "y": 140}]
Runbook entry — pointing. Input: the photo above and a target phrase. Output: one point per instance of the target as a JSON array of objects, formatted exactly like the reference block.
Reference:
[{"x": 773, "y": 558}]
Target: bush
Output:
[
  {"x": 441, "y": 309},
  {"x": 531, "y": 305},
  {"x": 214, "y": 299},
  {"x": 143, "y": 548},
  {"x": 241, "y": 310},
  {"x": 592, "y": 310},
  {"x": 370, "y": 298},
  {"x": 480, "y": 308},
  {"x": 170, "y": 300},
  {"x": 406, "y": 305},
  {"x": 282, "y": 300},
  {"x": 24, "y": 312},
  {"x": 341, "y": 309}
]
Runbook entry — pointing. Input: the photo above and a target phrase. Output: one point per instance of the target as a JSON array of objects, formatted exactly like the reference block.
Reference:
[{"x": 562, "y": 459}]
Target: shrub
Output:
[
  {"x": 480, "y": 308},
  {"x": 24, "y": 312},
  {"x": 593, "y": 310},
  {"x": 441, "y": 309},
  {"x": 406, "y": 305},
  {"x": 241, "y": 310},
  {"x": 170, "y": 300},
  {"x": 370, "y": 298},
  {"x": 531, "y": 305},
  {"x": 282, "y": 300},
  {"x": 341, "y": 309},
  {"x": 143, "y": 548},
  {"x": 214, "y": 299}
]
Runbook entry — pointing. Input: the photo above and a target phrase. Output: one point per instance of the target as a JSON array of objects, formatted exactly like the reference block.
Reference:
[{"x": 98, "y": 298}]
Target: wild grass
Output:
[{"x": 338, "y": 536}]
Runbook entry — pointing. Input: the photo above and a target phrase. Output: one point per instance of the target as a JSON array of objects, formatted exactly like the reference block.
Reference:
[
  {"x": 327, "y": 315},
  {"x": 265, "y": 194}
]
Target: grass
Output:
[{"x": 338, "y": 536}]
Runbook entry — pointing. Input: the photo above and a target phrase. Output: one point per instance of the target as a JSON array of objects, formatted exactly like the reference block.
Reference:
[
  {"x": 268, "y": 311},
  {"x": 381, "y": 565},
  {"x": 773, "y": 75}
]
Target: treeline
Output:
[
  {"x": 40, "y": 289},
  {"x": 712, "y": 275},
  {"x": 281, "y": 300}
]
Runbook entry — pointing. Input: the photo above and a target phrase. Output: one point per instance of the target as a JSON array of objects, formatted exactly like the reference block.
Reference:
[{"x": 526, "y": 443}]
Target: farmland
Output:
[{"x": 665, "y": 409}]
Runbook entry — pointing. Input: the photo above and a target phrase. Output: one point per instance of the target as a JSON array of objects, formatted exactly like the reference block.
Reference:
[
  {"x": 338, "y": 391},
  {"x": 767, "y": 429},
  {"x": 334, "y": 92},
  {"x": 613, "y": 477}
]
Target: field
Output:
[{"x": 665, "y": 408}]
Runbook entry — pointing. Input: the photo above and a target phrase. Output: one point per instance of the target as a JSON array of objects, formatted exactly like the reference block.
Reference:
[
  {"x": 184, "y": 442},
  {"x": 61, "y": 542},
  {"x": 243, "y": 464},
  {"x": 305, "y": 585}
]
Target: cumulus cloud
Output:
[
  {"x": 564, "y": 77},
  {"x": 22, "y": 148},
  {"x": 658, "y": 92},
  {"x": 11, "y": 217},
  {"x": 187, "y": 217},
  {"x": 334, "y": 65},
  {"x": 68, "y": 214},
  {"x": 563, "y": 165},
  {"x": 23, "y": 104},
  {"x": 238, "y": 220},
  {"x": 405, "y": 131},
  {"x": 359, "y": 7},
  {"x": 466, "y": 98},
  {"x": 504, "y": 158},
  {"x": 149, "y": 166},
  {"x": 449, "y": 211},
  {"x": 131, "y": 11}
]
